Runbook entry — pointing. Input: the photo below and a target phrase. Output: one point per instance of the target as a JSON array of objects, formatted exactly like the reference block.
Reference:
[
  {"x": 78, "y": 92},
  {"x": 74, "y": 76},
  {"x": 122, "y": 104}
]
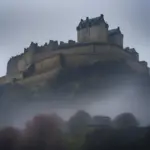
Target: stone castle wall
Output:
[
  {"x": 47, "y": 64},
  {"x": 40, "y": 79},
  {"x": 91, "y": 54},
  {"x": 95, "y": 33},
  {"x": 12, "y": 65},
  {"x": 74, "y": 56},
  {"x": 3, "y": 80},
  {"x": 83, "y": 57},
  {"x": 116, "y": 39},
  {"x": 137, "y": 67},
  {"x": 99, "y": 33}
]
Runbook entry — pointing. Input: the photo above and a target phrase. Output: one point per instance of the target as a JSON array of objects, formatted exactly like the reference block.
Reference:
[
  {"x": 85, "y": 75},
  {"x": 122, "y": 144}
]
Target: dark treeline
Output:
[{"x": 80, "y": 132}]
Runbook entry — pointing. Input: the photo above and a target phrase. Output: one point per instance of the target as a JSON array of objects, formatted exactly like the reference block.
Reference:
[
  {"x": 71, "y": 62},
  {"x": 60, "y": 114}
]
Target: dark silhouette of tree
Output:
[
  {"x": 9, "y": 138},
  {"x": 60, "y": 122},
  {"x": 43, "y": 132},
  {"x": 79, "y": 122},
  {"x": 125, "y": 120},
  {"x": 100, "y": 139},
  {"x": 145, "y": 142},
  {"x": 114, "y": 139}
]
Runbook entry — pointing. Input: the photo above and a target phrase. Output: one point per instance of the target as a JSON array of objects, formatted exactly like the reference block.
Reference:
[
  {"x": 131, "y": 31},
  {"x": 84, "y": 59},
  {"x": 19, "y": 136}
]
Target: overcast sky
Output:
[{"x": 23, "y": 21}]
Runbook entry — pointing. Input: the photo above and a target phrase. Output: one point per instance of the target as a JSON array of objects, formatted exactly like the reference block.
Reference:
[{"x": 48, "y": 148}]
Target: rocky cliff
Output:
[{"x": 71, "y": 83}]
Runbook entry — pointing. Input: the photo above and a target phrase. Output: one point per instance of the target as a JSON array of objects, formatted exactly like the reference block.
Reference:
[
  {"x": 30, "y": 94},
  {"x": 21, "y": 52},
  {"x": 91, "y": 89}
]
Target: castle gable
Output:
[
  {"x": 115, "y": 37},
  {"x": 91, "y": 22},
  {"x": 114, "y": 31}
]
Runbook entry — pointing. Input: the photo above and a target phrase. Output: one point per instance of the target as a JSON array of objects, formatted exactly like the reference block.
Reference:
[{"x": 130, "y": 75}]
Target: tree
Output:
[
  {"x": 43, "y": 132},
  {"x": 103, "y": 139},
  {"x": 114, "y": 139},
  {"x": 60, "y": 122},
  {"x": 78, "y": 123},
  {"x": 125, "y": 120},
  {"x": 9, "y": 138}
]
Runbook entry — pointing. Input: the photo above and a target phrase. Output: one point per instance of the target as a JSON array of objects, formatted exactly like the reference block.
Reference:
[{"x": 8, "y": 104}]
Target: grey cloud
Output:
[{"x": 137, "y": 13}]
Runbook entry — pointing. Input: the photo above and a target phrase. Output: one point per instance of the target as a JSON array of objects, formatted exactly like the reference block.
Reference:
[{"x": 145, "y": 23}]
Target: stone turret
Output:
[
  {"x": 32, "y": 48},
  {"x": 71, "y": 42},
  {"x": 92, "y": 30},
  {"x": 133, "y": 53},
  {"x": 52, "y": 45},
  {"x": 29, "y": 54},
  {"x": 115, "y": 37},
  {"x": 62, "y": 43}
]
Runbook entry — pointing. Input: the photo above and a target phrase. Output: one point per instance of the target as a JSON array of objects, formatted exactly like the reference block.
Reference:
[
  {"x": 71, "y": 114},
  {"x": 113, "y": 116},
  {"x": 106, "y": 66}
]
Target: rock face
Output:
[{"x": 72, "y": 83}]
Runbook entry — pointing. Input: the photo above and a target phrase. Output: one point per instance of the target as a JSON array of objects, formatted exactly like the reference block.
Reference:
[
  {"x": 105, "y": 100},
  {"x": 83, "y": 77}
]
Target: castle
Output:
[{"x": 95, "y": 42}]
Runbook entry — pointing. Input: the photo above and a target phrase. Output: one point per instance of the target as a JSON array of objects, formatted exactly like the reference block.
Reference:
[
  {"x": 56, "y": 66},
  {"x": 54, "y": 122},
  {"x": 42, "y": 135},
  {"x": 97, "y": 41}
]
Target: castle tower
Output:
[
  {"x": 92, "y": 30},
  {"x": 115, "y": 37}
]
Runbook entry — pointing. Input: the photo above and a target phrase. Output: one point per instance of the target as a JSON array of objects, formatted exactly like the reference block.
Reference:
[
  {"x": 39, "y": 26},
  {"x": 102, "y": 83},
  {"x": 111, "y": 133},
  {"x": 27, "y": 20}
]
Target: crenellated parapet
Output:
[
  {"x": 132, "y": 52},
  {"x": 35, "y": 48},
  {"x": 32, "y": 48},
  {"x": 144, "y": 63},
  {"x": 115, "y": 37},
  {"x": 62, "y": 43},
  {"x": 52, "y": 45},
  {"x": 69, "y": 43}
]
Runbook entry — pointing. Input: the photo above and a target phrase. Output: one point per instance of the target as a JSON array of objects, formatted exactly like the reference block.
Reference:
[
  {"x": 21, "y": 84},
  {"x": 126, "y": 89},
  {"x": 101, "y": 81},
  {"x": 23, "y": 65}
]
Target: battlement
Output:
[
  {"x": 91, "y": 22},
  {"x": 132, "y": 52},
  {"x": 114, "y": 31},
  {"x": 51, "y": 46}
]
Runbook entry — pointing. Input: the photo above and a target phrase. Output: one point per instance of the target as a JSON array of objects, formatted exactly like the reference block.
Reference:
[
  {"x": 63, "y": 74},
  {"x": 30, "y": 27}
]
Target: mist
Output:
[{"x": 122, "y": 98}]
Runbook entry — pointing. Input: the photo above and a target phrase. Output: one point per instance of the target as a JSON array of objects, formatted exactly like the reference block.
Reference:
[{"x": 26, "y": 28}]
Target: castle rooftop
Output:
[
  {"x": 91, "y": 22},
  {"x": 114, "y": 31}
]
